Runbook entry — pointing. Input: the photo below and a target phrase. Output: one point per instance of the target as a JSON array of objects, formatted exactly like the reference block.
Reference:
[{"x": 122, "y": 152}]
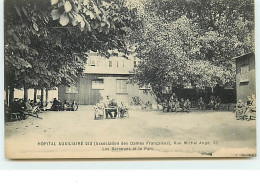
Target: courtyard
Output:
[{"x": 68, "y": 134}]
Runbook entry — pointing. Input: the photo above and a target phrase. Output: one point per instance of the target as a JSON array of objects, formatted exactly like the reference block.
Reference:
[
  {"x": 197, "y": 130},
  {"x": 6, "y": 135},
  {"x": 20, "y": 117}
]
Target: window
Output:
[
  {"x": 91, "y": 62},
  {"x": 72, "y": 89},
  {"x": 98, "y": 84},
  {"x": 110, "y": 63},
  {"x": 135, "y": 64},
  {"x": 121, "y": 86},
  {"x": 244, "y": 73}
]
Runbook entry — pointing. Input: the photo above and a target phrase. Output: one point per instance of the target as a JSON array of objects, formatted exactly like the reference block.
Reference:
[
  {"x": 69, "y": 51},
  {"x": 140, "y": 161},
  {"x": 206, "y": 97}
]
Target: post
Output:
[
  {"x": 35, "y": 95},
  {"x": 11, "y": 95},
  {"x": 7, "y": 96},
  {"x": 47, "y": 94},
  {"x": 42, "y": 91},
  {"x": 25, "y": 95}
]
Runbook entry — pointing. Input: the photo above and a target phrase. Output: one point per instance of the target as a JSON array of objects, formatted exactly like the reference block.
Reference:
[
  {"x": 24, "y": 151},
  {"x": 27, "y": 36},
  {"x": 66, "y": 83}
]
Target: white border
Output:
[{"x": 166, "y": 164}]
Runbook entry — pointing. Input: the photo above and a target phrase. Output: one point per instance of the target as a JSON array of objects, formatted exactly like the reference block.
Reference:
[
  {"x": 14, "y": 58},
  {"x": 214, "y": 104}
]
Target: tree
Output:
[
  {"x": 192, "y": 43},
  {"x": 46, "y": 41}
]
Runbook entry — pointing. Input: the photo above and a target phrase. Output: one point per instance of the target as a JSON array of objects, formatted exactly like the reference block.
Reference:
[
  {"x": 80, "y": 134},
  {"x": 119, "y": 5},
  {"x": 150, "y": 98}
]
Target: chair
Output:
[
  {"x": 99, "y": 112},
  {"x": 123, "y": 112}
]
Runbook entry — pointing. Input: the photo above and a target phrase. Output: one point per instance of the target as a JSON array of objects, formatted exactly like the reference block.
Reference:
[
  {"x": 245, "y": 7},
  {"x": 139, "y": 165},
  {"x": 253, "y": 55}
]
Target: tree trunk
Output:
[
  {"x": 35, "y": 95},
  {"x": 25, "y": 95},
  {"x": 42, "y": 91},
  {"x": 7, "y": 96},
  {"x": 47, "y": 94},
  {"x": 11, "y": 95}
]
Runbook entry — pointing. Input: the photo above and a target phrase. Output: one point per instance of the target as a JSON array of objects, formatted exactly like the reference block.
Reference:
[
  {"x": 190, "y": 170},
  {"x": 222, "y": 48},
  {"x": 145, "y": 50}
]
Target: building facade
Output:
[
  {"x": 105, "y": 77},
  {"x": 245, "y": 76}
]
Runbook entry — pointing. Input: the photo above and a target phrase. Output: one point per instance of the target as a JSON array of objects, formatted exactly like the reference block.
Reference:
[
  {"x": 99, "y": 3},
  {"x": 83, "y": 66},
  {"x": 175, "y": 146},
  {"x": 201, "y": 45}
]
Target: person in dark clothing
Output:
[
  {"x": 56, "y": 105},
  {"x": 112, "y": 108},
  {"x": 212, "y": 102},
  {"x": 18, "y": 106}
]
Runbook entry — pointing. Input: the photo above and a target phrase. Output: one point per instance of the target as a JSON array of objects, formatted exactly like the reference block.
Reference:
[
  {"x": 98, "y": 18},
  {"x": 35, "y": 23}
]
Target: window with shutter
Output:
[
  {"x": 72, "y": 89},
  {"x": 121, "y": 86},
  {"x": 244, "y": 73},
  {"x": 98, "y": 84}
]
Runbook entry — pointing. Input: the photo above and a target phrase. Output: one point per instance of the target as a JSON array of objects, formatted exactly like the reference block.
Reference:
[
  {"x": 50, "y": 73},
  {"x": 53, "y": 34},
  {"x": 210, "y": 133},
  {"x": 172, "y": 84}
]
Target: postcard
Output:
[{"x": 129, "y": 79}]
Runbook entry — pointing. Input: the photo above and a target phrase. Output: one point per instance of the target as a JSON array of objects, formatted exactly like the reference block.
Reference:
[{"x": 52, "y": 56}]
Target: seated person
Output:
[
  {"x": 17, "y": 106},
  {"x": 122, "y": 109},
  {"x": 143, "y": 106},
  {"x": 201, "y": 104},
  {"x": 175, "y": 104},
  {"x": 148, "y": 105},
  {"x": 165, "y": 105},
  {"x": 171, "y": 105},
  {"x": 27, "y": 106},
  {"x": 74, "y": 106},
  {"x": 56, "y": 105},
  {"x": 182, "y": 103},
  {"x": 250, "y": 107},
  {"x": 66, "y": 105},
  {"x": 99, "y": 109},
  {"x": 112, "y": 108},
  {"x": 240, "y": 108},
  {"x": 187, "y": 105}
]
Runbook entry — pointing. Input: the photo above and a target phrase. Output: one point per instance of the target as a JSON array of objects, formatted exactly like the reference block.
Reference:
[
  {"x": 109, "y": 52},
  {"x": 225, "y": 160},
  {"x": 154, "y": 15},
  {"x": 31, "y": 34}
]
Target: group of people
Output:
[
  {"x": 174, "y": 104},
  {"x": 110, "y": 108},
  {"x": 246, "y": 110},
  {"x": 56, "y": 105},
  {"x": 214, "y": 103},
  {"x": 23, "y": 108}
]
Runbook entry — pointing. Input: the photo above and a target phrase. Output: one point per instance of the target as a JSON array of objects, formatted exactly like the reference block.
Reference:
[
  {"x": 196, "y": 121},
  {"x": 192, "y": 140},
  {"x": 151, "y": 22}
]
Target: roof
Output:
[{"x": 250, "y": 53}]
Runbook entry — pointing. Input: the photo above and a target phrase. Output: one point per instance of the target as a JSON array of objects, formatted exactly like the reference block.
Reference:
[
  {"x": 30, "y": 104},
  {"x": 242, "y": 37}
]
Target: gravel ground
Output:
[{"x": 143, "y": 134}]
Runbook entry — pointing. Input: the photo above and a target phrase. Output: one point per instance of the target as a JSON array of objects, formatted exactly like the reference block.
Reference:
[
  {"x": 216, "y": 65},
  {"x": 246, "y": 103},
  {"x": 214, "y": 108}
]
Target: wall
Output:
[
  {"x": 88, "y": 96},
  {"x": 245, "y": 88}
]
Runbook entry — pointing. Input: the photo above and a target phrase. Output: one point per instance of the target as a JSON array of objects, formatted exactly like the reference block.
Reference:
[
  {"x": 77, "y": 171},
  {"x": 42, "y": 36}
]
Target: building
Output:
[
  {"x": 245, "y": 76},
  {"x": 105, "y": 77}
]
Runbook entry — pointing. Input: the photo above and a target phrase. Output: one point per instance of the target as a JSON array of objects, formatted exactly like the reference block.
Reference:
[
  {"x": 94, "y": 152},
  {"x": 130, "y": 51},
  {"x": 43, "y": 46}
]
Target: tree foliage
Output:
[
  {"x": 46, "y": 41},
  {"x": 193, "y": 42}
]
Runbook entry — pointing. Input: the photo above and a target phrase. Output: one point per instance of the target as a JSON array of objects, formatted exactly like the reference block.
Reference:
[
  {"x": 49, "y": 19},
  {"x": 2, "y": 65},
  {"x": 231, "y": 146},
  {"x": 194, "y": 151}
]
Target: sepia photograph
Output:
[{"x": 129, "y": 79}]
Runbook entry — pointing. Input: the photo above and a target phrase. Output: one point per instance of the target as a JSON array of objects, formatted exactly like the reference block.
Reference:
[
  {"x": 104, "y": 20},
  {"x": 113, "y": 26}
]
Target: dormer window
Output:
[
  {"x": 135, "y": 64},
  {"x": 91, "y": 62}
]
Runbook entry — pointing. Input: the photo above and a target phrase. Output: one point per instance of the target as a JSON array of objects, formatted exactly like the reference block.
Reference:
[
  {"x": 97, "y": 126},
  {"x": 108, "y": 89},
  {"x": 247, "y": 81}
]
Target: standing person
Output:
[
  {"x": 201, "y": 104},
  {"x": 106, "y": 103},
  {"x": 250, "y": 107},
  {"x": 240, "y": 108},
  {"x": 99, "y": 109},
  {"x": 217, "y": 102},
  {"x": 212, "y": 102}
]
